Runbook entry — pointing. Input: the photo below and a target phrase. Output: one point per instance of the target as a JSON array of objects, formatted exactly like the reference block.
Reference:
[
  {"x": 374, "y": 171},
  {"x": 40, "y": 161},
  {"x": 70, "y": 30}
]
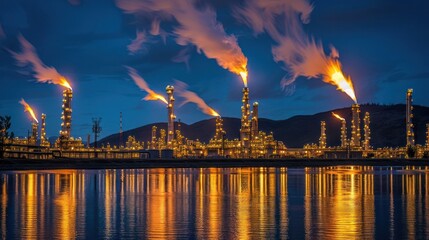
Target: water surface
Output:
[{"x": 234, "y": 203}]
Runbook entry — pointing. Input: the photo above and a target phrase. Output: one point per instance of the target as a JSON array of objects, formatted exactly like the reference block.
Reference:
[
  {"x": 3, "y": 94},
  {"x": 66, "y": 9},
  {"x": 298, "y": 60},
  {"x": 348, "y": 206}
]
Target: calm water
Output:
[{"x": 233, "y": 203}]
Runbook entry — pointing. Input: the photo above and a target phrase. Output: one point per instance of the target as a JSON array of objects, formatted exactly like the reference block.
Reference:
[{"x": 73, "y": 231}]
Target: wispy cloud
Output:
[{"x": 137, "y": 44}]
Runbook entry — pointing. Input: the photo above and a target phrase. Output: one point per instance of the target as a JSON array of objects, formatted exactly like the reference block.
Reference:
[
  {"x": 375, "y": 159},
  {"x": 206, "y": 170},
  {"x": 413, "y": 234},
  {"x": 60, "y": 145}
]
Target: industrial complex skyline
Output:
[{"x": 91, "y": 42}]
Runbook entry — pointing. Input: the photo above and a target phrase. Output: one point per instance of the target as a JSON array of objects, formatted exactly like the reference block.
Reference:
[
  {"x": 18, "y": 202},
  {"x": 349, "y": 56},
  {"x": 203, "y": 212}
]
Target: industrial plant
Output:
[{"x": 171, "y": 143}]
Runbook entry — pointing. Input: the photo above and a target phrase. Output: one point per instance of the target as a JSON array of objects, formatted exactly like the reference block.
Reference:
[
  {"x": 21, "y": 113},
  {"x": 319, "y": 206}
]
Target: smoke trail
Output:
[
  {"x": 137, "y": 44},
  {"x": 28, "y": 109},
  {"x": 181, "y": 89},
  {"x": 43, "y": 73},
  {"x": 142, "y": 84},
  {"x": 302, "y": 55},
  {"x": 198, "y": 27}
]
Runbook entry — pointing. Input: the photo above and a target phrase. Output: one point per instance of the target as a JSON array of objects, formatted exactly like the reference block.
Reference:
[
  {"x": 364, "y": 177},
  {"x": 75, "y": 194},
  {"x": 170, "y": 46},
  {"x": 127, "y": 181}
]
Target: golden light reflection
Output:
[{"x": 240, "y": 203}]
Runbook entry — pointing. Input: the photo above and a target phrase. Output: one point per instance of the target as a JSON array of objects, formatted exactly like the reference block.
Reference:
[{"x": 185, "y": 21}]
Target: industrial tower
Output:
[
  {"x": 409, "y": 119},
  {"x": 356, "y": 137},
  {"x": 66, "y": 114},
  {"x": 245, "y": 124},
  {"x": 170, "y": 107},
  {"x": 367, "y": 132},
  {"x": 322, "y": 139}
]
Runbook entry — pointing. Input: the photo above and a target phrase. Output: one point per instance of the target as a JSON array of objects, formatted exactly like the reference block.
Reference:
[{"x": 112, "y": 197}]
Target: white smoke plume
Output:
[
  {"x": 197, "y": 27},
  {"x": 181, "y": 89}
]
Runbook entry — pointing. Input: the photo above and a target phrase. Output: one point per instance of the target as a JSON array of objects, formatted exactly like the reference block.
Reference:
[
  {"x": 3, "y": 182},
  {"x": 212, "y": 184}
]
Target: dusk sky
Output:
[{"x": 382, "y": 46}]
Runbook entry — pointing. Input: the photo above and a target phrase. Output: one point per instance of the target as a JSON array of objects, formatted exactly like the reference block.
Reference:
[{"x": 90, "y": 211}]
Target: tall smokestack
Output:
[
  {"x": 427, "y": 135},
  {"x": 409, "y": 118},
  {"x": 367, "y": 132},
  {"x": 343, "y": 133},
  {"x": 161, "y": 141},
  {"x": 66, "y": 114},
  {"x": 171, "y": 117},
  {"x": 43, "y": 139},
  {"x": 33, "y": 137},
  {"x": 322, "y": 139},
  {"x": 153, "y": 142},
  {"x": 245, "y": 125},
  {"x": 356, "y": 138},
  {"x": 255, "y": 127},
  {"x": 219, "y": 128}
]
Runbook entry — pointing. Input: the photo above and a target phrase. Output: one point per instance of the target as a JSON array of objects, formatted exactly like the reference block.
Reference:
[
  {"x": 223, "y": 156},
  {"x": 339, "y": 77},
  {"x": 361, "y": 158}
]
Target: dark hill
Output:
[{"x": 387, "y": 127}]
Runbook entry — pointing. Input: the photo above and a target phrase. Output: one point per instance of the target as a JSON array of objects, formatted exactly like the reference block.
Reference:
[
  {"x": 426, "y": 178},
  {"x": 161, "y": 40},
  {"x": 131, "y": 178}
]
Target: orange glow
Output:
[
  {"x": 338, "y": 116},
  {"x": 155, "y": 96},
  {"x": 243, "y": 75},
  {"x": 214, "y": 113},
  {"x": 335, "y": 76},
  {"x": 28, "y": 109},
  {"x": 65, "y": 83}
]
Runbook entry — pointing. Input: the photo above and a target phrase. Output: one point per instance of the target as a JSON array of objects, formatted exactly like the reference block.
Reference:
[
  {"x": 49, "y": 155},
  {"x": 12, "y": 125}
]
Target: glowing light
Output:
[
  {"x": 142, "y": 84},
  {"x": 338, "y": 116},
  {"x": 65, "y": 83},
  {"x": 28, "y": 109},
  {"x": 335, "y": 76},
  {"x": 189, "y": 96},
  {"x": 243, "y": 75}
]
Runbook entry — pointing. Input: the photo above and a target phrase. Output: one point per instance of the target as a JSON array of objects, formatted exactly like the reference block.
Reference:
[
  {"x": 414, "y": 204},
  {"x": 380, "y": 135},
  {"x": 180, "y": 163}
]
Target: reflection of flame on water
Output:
[
  {"x": 338, "y": 116},
  {"x": 28, "y": 109}
]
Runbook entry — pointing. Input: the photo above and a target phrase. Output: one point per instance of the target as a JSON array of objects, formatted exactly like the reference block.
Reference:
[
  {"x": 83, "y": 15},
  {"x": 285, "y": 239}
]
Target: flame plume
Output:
[
  {"x": 43, "y": 73},
  {"x": 338, "y": 116},
  {"x": 335, "y": 76},
  {"x": 197, "y": 26},
  {"x": 142, "y": 84},
  {"x": 28, "y": 109},
  {"x": 301, "y": 54},
  {"x": 181, "y": 89}
]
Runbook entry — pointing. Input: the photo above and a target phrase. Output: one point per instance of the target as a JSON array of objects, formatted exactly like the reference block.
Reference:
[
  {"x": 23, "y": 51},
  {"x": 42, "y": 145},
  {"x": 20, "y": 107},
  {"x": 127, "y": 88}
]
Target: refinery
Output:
[{"x": 170, "y": 143}]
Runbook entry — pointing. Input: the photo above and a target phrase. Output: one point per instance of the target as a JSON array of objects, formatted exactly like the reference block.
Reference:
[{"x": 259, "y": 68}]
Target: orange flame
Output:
[
  {"x": 28, "y": 109},
  {"x": 155, "y": 96},
  {"x": 338, "y": 116},
  {"x": 335, "y": 76},
  {"x": 243, "y": 75},
  {"x": 64, "y": 83},
  {"x": 189, "y": 96}
]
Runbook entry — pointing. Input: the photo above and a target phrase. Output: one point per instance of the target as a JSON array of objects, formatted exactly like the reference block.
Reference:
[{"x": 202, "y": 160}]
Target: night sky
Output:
[{"x": 382, "y": 46}]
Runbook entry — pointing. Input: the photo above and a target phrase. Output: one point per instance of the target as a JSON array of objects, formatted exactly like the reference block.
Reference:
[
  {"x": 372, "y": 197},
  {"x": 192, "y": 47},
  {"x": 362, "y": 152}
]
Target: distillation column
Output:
[
  {"x": 367, "y": 132},
  {"x": 171, "y": 117},
  {"x": 343, "y": 133},
  {"x": 255, "y": 128},
  {"x": 219, "y": 129},
  {"x": 153, "y": 142},
  {"x": 66, "y": 114},
  {"x": 245, "y": 124},
  {"x": 427, "y": 136},
  {"x": 356, "y": 137},
  {"x": 409, "y": 118},
  {"x": 322, "y": 139},
  {"x": 33, "y": 137},
  {"x": 43, "y": 139}
]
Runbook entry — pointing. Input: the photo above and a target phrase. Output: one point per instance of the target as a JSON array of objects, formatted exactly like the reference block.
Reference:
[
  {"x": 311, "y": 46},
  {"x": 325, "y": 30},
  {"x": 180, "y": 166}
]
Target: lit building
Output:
[
  {"x": 33, "y": 138},
  {"x": 427, "y": 135},
  {"x": 322, "y": 139},
  {"x": 356, "y": 137},
  {"x": 254, "y": 127},
  {"x": 43, "y": 140},
  {"x": 343, "y": 133},
  {"x": 409, "y": 118},
  {"x": 245, "y": 124},
  {"x": 171, "y": 116},
  {"x": 66, "y": 114},
  {"x": 153, "y": 139},
  {"x": 219, "y": 129},
  {"x": 161, "y": 141},
  {"x": 367, "y": 132}
]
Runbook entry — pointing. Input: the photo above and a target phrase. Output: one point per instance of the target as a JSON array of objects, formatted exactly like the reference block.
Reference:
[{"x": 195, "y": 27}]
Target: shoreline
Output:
[{"x": 51, "y": 164}]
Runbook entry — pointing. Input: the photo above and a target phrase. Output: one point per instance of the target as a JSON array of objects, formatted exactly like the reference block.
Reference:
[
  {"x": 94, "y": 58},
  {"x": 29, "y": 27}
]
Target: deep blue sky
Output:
[{"x": 382, "y": 45}]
